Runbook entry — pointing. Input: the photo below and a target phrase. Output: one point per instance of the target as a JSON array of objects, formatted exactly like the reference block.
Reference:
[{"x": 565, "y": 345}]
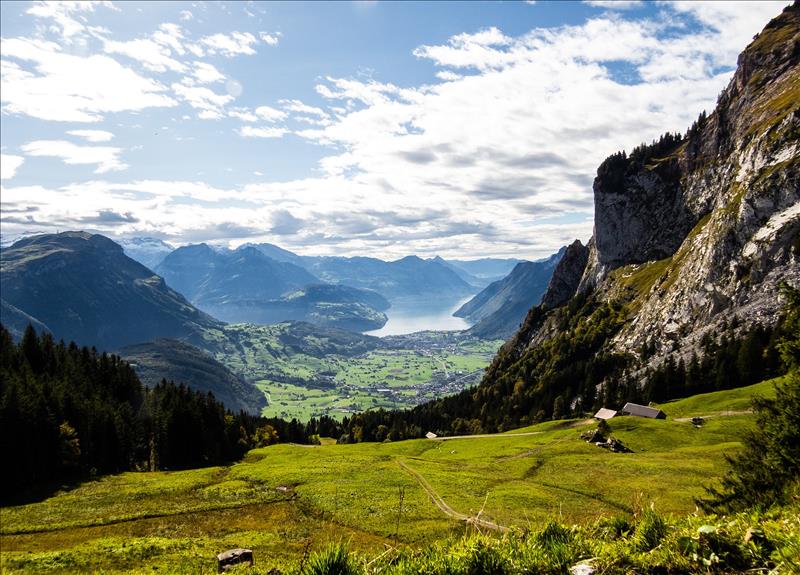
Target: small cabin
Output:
[
  {"x": 233, "y": 557},
  {"x": 605, "y": 413},
  {"x": 431, "y": 435},
  {"x": 642, "y": 411}
]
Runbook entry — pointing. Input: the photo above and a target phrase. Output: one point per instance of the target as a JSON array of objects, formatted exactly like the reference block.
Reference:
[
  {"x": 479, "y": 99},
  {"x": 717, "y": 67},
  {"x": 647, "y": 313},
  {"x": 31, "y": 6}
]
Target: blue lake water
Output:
[{"x": 420, "y": 315}]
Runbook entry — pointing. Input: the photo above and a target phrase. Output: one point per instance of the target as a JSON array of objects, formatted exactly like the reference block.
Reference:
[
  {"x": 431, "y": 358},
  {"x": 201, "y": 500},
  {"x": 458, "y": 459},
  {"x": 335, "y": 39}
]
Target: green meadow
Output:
[{"x": 285, "y": 501}]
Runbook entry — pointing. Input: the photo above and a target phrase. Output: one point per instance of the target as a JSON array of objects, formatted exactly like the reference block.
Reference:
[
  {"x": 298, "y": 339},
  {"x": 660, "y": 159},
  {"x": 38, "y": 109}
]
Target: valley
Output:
[
  {"x": 402, "y": 393},
  {"x": 403, "y": 372}
]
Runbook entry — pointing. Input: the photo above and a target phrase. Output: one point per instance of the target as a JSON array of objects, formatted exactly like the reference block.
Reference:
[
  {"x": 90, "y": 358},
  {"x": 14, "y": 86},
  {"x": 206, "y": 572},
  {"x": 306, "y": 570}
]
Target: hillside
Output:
[
  {"x": 498, "y": 310},
  {"x": 183, "y": 363},
  {"x": 336, "y": 306},
  {"x": 278, "y": 253},
  {"x": 84, "y": 288},
  {"x": 16, "y": 320},
  {"x": 320, "y": 494}
]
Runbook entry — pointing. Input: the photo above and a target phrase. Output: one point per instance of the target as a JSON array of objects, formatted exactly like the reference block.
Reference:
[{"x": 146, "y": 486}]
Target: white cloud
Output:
[
  {"x": 67, "y": 88},
  {"x": 171, "y": 36},
  {"x": 209, "y": 102},
  {"x": 153, "y": 55},
  {"x": 186, "y": 15},
  {"x": 251, "y": 132},
  {"x": 270, "y": 114},
  {"x": 66, "y": 16},
  {"x": 206, "y": 73},
  {"x": 300, "y": 107},
  {"x": 494, "y": 156},
  {"x": 448, "y": 76},
  {"x": 614, "y": 4},
  {"x": 92, "y": 135},
  {"x": 9, "y": 164},
  {"x": 106, "y": 158},
  {"x": 243, "y": 114},
  {"x": 229, "y": 45},
  {"x": 270, "y": 39}
]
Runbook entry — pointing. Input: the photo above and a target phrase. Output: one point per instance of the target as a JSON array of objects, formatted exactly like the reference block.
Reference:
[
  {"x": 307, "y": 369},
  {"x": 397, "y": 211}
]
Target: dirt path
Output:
[
  {"x": 728, "y": 413},
  {"x": 530, "y": 452},
  {"x": 444, "y": 507},
  {"x": 486, "y": 435}
]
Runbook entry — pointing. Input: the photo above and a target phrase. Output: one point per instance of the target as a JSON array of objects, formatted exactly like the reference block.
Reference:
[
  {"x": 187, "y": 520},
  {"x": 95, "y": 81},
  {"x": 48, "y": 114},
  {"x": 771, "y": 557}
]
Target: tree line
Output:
[{"x": 68, "y": 412}]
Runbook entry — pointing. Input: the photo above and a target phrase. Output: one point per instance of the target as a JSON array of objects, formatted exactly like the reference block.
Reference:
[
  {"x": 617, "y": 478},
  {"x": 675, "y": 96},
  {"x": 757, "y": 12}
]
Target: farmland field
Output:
[
  {"x": 284, "y": 498},
  {"x": 404, "y": 371}
]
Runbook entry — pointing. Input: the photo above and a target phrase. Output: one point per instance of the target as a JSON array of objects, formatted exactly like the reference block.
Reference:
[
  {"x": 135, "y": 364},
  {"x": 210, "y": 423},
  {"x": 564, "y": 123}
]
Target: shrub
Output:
[
  {"x": 650, "y": 530},
  {"x": 335, "y": 560}
]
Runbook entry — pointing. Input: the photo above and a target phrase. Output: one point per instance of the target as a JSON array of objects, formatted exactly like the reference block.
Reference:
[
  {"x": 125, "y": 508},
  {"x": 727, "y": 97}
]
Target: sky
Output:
[{"x": 345, "y": 128}]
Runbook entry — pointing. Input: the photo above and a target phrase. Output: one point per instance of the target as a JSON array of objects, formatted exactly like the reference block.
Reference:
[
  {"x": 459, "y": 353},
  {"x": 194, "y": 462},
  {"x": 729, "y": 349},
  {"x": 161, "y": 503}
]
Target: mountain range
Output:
[{"x": 145, "y": 250}]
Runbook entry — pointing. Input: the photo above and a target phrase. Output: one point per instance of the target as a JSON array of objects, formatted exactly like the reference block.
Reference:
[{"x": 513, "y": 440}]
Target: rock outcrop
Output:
[{"x": 567, "y": 275}]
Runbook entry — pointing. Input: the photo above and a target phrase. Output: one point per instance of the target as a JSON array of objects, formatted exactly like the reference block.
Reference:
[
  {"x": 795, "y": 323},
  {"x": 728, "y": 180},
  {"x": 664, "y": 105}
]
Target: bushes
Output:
[
  {"x": 614, "y": 546},
  {"x": 335, "y": 560},
  {"x": 650, "y": 530}
]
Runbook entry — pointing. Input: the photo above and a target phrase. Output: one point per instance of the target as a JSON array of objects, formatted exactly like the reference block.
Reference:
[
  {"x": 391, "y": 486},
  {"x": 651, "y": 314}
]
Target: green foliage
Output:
[
  {"x": 769, "y": 465},
  {"x": 764, "y": 471},
  {"x": 789, "y": 346},
  {"x": 335, "y": 560},
  {"x": 650, "y": 530},
  {"x": 66, "y": 413}
]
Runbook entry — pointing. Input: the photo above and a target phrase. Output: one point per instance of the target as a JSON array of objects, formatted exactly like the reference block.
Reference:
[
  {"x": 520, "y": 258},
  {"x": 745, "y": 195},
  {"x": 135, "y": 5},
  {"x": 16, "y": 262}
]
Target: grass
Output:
[
  {"x": 284, "y": 497},
  {"x": 719, "y": 402}
]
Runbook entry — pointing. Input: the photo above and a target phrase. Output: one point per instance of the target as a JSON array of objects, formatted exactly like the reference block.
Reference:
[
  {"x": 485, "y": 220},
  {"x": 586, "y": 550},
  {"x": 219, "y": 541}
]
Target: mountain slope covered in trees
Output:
[
  {"x": 181, "y": 362},
  {"x": 67, "y": 411}
]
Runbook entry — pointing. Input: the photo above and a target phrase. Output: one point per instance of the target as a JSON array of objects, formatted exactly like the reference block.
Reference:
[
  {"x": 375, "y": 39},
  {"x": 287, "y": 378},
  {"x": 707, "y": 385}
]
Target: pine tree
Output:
[
  {"x": 764, "y": 471},
  {"x": 770, "y": 461}
]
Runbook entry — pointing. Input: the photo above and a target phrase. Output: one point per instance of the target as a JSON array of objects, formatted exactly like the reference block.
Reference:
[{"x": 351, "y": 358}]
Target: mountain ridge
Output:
[
  {"x": 498, "y": 309},
  {"x": 84, "y": 288}
]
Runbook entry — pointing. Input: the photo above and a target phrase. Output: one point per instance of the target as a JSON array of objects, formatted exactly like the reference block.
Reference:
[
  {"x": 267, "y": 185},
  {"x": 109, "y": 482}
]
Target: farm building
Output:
[
  {"x": 642, "y": 411},
  {"x": 605, "y": 413}
]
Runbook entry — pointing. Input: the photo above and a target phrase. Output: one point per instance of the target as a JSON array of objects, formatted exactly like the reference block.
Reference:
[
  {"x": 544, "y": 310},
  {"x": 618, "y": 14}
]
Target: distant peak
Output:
[{"x": 411, "y": 258}]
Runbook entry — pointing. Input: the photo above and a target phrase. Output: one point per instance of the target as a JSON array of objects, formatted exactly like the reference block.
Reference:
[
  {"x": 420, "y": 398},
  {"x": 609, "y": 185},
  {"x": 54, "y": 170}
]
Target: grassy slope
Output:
[
  {"x": 351, "y": 492},
  {"x": 719, "y": 402}
]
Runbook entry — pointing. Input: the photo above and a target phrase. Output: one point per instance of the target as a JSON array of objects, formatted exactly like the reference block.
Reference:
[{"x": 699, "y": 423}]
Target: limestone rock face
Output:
[
  {"x": 712, "y": 216},
  {"x": 698, "y": 230}
]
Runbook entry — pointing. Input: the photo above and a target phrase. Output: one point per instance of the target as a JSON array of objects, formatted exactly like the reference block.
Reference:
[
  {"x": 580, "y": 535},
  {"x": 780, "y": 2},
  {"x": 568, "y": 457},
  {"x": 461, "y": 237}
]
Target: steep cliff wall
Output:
[{"x": 704, "y": 228}]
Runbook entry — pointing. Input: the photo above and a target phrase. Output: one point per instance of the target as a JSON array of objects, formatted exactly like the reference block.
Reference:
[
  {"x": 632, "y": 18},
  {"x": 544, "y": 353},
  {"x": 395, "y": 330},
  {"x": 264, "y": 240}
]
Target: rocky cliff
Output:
[
  {"x": 566, "y": 276},
  {"x": 703, "y": 229},
  {"x": 694, "y": 234}
]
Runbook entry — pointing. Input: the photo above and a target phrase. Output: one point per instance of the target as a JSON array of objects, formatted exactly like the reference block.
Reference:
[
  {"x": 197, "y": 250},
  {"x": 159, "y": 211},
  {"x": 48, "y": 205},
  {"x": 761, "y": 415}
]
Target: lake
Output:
[{"x": 409, "y": 316}]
